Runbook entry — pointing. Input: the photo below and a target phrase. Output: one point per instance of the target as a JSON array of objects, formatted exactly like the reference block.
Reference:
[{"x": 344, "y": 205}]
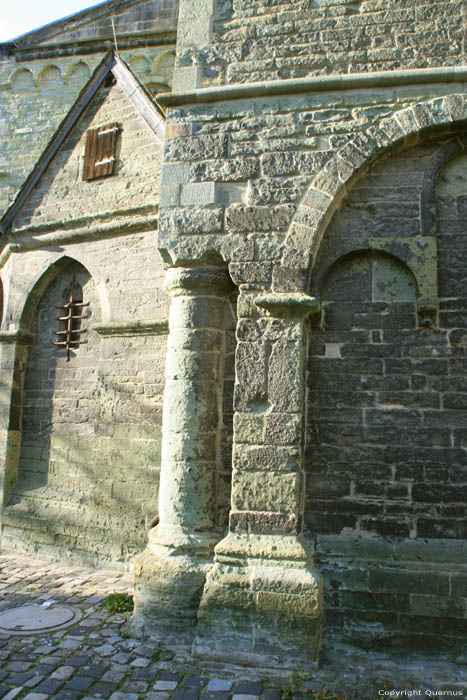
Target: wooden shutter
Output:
[{"x": 99, "y": 154}]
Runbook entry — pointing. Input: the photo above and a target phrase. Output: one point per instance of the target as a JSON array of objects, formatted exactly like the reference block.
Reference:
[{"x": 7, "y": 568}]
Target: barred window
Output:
[{"x": 71, "y": 316}]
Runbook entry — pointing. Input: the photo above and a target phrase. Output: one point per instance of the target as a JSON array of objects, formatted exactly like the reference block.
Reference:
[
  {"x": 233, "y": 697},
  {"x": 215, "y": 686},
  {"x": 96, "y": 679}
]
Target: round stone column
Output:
[{"x": 170, "y": 574}]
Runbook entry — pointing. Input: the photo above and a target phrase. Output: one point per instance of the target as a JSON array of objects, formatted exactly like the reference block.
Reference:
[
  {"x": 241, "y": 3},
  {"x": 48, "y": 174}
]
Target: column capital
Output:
[
  {"x": 198, "y": 281},
  {"x": 294, "y": 304}
]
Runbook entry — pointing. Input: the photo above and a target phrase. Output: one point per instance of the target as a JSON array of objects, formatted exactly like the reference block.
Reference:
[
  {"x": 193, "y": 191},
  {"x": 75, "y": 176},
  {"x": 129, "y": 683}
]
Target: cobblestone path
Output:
[{"x": 95, "y": 659}]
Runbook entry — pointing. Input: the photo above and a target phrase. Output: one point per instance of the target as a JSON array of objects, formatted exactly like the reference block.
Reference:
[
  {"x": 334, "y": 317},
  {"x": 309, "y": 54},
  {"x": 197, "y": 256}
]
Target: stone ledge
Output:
[
  {"x": 293, "y": 86},
  {"x": 19, "y": 336},
  {"x": 132, "y": 328},
  {"x": 297, "y": 304}
]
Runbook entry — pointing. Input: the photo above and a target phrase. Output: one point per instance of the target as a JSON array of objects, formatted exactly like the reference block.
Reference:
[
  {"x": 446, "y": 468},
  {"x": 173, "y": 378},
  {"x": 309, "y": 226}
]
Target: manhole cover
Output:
[{"x": 34, "y": 619}]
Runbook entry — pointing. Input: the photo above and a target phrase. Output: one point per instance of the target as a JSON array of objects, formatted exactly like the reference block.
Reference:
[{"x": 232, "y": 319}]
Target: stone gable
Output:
[{"x": 62, "y": 195}]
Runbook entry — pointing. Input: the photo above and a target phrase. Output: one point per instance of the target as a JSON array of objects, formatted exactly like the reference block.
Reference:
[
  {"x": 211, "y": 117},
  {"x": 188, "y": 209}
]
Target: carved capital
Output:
[{"x": 198, "y": 281}]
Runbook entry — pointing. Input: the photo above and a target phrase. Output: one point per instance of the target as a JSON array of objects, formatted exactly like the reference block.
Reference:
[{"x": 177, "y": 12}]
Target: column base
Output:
[
  {"x": 261, "y": 604},
  {"x": 168, "y": 583}
]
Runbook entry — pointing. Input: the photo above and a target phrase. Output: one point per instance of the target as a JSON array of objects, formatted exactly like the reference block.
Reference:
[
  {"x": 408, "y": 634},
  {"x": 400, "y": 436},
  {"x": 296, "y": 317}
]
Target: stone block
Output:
[
  {"x": 249, "y": 428},
  {"x": 247, "y": 219},
  {"x": 175, "y": 174},
  {"x": 264, "y": 457},
  {"x": 192, "y": 220},
  {"x": 231, "y": 170},
  {"x": 266, "y": 491},
  {"x": 403, "y": 581},
  {"x": 192, "y": 148},
  {"x": 198, "y": 194}
]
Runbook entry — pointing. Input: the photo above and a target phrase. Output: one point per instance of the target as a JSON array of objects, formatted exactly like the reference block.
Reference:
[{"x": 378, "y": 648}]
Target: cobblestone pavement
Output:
[{"x": 95, "y": 659}]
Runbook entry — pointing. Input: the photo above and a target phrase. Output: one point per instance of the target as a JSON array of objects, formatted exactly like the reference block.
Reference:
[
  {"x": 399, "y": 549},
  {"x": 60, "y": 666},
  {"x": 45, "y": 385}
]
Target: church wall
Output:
[
  {"x": 235, "y": 180},
  {"x": 234, "y": 172},
  {"x": 37, "y": 93},
  {"x": 93, "y": 422},
  {"x": 386, "y": 462},
  {"x": 63, "y": 195},
  {"x": 87, "y": 474},
  {"x": 250, "y": 41}
]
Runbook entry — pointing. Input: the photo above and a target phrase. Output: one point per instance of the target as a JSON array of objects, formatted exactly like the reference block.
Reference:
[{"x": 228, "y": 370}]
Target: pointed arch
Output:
[
  {"x": 41, "y": 281},
  {"x": 40, "y": 284}
]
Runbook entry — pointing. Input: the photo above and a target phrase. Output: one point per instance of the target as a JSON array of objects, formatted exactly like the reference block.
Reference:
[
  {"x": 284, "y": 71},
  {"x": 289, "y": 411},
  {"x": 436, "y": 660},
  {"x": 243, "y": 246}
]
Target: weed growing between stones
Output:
[
  {"x": 295, "y": 687},
  {"x": 119, "y": 603}
]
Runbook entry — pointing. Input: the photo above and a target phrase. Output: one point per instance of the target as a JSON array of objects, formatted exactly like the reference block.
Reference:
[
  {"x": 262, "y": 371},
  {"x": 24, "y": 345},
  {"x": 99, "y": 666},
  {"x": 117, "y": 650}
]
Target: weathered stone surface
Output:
[{"x": 348, "y": 188}]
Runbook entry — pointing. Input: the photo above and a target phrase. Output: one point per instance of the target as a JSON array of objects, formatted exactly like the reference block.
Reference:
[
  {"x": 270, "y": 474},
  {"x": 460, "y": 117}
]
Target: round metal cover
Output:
[{"x": 34, "y": 619}]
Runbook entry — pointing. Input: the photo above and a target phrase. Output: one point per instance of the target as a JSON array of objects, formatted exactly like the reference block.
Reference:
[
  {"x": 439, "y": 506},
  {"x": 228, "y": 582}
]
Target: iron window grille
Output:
[{"x": 70, "y": 334}]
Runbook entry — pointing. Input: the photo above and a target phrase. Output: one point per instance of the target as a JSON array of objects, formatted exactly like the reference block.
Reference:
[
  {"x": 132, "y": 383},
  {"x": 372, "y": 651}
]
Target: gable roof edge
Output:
[
  {"x": 136, "y": 93},
  {"x": 142, "y": 100},
  {"x": 81, "y": 17}
]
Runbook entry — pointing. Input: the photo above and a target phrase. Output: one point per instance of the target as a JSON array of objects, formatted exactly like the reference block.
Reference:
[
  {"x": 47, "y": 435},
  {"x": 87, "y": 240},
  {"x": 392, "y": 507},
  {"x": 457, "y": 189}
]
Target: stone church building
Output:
[{"x": 234, "y": 294}]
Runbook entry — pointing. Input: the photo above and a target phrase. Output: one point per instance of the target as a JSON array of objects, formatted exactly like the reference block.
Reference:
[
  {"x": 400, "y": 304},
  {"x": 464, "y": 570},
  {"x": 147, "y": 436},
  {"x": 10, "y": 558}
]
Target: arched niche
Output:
[
  {"x": 385, "y": 450},
  {"x": 22, "y": 80},
  {"x": 78, "y": 74},
  {"x": 140, "y": 65},
  {"x": 450, "y": 207},
  {"x": 452, "y": 179},
  {"x": 59, "y": 409},
  {"x": 50, "y": 79},
  {"x": 368, "y": 275},
  {"x": 332, "y": 181},
  {"x": 163, "y": 69}
]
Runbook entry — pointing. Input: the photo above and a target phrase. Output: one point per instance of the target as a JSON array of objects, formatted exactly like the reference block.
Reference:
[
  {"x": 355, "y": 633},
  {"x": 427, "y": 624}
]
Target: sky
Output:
[{"x": 20, "y": 16}]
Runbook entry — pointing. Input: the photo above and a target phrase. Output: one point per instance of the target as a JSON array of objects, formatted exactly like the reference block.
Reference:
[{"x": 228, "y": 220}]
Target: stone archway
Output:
[{"x": 329, "y": 185}]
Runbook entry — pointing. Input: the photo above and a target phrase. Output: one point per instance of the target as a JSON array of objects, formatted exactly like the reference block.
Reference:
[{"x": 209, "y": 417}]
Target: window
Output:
[
  {"x": 70, "y": 320},
  {"x": 99, "y": 154}
]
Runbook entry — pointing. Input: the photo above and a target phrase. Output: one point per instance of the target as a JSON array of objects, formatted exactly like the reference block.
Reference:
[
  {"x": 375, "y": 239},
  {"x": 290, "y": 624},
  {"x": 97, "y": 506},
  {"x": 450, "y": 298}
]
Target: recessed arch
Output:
[
  {"x": 164, "y": 67},
  {"x": 440, "y": 159},
  {"x": 368, "y": 275},
  {"x": 140, "y": 64},
  {"x": 22, "y": 80},
  {"x": 330, "y": 184},
  {"x": 78, "y": 73},
  {"x": 50, "y": 78},
  {"x": 43, "y": 278}
]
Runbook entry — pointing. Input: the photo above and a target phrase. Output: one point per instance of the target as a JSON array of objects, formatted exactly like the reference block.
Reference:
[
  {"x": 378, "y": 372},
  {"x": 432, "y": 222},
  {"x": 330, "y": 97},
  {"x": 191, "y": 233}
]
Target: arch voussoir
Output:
[{"x": 329, "y": 184}]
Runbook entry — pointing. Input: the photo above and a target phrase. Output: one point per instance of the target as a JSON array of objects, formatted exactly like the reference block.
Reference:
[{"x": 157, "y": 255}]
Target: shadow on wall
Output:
[
  {"x": 73, "y": 492},
  {"x": 386, "y": 413}
]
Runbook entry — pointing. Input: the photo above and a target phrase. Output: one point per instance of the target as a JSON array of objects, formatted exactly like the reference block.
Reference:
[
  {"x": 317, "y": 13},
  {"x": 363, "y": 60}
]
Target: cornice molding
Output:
[
  {"x": 132, "y": 328},
  {"x": 320, "y": 83}
]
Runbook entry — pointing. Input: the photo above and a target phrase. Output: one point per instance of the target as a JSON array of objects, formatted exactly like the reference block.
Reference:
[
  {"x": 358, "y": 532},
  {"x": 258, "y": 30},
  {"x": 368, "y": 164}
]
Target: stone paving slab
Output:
[{"x": 95, "y": 659}]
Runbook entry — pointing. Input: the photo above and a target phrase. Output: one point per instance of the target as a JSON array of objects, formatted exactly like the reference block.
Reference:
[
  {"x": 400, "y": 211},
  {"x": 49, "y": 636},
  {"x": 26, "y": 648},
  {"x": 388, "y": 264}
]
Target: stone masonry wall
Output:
[
  {"x": 241, "y": 168},
  {"x": 88, "y": 473},
  {"x": 63, "y": 195},
  {"x": 129, "y": 18},
  {"x": 387, "y": 469},
  {"x": 93, "y": 422},
  {"x": 35, "y": 95},
  {"x": 90, "y": 446},
  {"x": 256, "y": 41},
  {"x": 235, "y": 181}
]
